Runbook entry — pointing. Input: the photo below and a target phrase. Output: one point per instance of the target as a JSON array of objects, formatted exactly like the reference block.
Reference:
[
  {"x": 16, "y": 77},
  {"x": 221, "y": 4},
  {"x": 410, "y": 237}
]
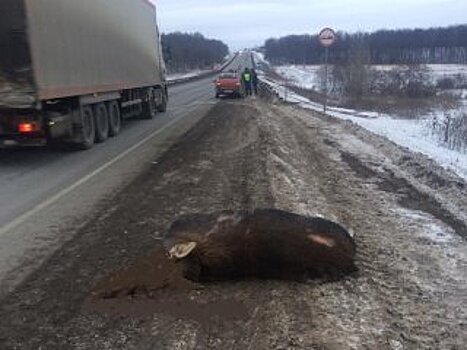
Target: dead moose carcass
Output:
[{"x": 265, "y": 243}]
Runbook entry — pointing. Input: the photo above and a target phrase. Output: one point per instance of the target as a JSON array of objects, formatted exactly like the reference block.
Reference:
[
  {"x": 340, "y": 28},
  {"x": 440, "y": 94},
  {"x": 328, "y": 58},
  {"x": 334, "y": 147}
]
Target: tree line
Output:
[
  {"x": 188, "y": 51},
  {"x": 404, "y": 46}
]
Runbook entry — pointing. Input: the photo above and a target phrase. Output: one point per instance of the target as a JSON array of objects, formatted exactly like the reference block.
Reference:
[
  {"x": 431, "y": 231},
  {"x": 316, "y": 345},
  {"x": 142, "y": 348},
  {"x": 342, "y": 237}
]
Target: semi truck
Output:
[{"x": 71, "y": 70}]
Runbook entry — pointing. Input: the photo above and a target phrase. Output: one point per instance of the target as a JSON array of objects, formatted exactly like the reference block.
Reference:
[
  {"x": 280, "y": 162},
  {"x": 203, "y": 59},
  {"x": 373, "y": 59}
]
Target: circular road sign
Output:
[{"x": 327, "y": 37}]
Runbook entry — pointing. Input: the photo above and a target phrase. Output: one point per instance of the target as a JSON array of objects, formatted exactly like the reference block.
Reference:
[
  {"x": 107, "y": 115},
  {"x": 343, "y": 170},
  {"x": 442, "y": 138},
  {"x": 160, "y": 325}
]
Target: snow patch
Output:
[
  {"x": 450, "y": 248},
  {"x": 434, "y": 230},
  {"x": 259, "y": 57},
  {"x": 306, "y": 77}
]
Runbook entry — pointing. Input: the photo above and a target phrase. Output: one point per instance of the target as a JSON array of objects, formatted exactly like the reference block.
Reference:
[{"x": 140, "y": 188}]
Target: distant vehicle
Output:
[
  {"x": 71, "y": 70},
  {"x": 229, "y": 84}
]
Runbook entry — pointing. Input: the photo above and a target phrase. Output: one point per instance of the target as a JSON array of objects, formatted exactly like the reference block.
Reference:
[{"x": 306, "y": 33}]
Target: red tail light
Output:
[{"x": 28, "y": 127}]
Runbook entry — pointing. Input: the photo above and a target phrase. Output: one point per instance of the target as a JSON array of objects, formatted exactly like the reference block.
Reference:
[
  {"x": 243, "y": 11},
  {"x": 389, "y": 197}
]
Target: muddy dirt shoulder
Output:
[
  {"x": 401, "y": 171},
  {"x": 409, "y": 250}
]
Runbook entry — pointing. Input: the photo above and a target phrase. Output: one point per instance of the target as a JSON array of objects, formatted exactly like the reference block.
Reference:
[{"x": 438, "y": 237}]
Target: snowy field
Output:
[
  {"x": 307, "y": 77},
  {"x": 413, "y": 134}
]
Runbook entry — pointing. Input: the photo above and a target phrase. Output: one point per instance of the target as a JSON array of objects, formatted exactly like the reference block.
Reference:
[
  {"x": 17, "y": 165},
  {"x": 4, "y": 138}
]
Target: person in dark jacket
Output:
[
  {"x": 254, "y": 81},
  {"x": 247, "y": 80}
]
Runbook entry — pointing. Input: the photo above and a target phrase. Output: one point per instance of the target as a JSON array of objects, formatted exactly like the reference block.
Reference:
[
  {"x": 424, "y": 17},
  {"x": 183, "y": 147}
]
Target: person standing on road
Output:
[
  {"x": 254, "y": 81},
  {"x": 247, "y": 81}
]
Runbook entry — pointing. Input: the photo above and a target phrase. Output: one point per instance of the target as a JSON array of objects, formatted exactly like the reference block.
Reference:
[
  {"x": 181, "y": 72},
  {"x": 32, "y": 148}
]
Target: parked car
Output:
[{"x": 229, "y": 84}]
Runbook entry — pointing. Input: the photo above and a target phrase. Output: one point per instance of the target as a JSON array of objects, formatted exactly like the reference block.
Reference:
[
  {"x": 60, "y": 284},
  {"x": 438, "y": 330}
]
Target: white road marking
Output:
[{"x": 20, "y": 219}]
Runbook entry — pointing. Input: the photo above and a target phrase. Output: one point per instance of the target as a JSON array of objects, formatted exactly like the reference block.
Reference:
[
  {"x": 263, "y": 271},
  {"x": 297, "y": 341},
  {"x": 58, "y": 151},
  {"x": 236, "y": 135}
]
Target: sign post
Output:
[{"x": 327, "y": 37}]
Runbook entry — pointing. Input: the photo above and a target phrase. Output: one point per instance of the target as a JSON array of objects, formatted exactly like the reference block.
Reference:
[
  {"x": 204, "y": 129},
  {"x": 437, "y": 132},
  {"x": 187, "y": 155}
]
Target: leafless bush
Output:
[
  {"x": 451, "y": 129},
  {"x": 457, "y": 81},
  {"x": 332, "y": 84},
  {"x": 352, "y": 77},
  {"x": 403, "y": 81},
  {"x": 445, "y": 83},
  {"x": 355, "y": 80}
]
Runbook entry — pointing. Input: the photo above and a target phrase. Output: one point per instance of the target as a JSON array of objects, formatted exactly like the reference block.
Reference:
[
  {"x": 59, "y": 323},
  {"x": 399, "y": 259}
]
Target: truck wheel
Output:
[
  {"x": 86, "y": 133},
  {"x": 163, "y": 106},
  {"x": 115, "y": 119},
  {"x": 101, "y": 120},
  {"x": 149, "y": 107}
]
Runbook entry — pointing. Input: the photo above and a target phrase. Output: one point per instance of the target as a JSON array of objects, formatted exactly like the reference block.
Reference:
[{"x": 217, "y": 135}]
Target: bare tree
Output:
[
  {"x": 185, "y": 52},
  {"x": 352, "y": 75}
]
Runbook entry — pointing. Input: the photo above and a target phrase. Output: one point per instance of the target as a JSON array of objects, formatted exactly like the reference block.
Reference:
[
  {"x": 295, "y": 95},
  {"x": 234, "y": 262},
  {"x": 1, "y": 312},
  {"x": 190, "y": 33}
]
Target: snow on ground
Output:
[
  {"x": 306, "y": 77},
  {"x": 259, "y": 58},
  {"x": 412, "y": 134},
  {"x": 440, "y": 70},
  {"x": 436, "y": 71},
  {"x": 434, "y": 230},
  {"x": 448, "y": 70},
  {"x": 409, "y": 133}
]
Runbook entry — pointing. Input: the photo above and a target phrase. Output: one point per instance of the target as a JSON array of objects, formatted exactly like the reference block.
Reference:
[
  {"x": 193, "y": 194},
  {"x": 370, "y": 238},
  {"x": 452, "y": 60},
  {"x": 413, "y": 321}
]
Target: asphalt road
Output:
[{"x": 44, "y": 188}]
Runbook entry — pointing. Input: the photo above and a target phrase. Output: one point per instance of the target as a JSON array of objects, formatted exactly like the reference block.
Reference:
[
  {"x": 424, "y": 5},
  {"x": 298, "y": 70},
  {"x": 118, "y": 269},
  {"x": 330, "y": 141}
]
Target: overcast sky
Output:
[{"x": 246, "y": 23}]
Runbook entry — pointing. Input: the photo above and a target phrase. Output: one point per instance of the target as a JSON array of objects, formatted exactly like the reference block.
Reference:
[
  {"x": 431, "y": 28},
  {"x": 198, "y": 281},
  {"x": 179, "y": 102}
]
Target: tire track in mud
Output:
[
  {"x": 408, "y": 195},
  {"x": 244, "y": 161},
  {"x": 325, "y": 182}
]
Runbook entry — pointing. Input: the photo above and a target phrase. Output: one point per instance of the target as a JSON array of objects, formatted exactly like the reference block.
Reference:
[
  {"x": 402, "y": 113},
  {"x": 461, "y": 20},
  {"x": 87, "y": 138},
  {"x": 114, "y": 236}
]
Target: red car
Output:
[{"x": 229, "y": 84}]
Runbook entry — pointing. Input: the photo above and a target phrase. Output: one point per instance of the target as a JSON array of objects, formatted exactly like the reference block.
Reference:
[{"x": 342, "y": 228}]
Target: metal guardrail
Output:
[
  {"x": 265, "y": 87},
  {"x": 267, "y": 91}
]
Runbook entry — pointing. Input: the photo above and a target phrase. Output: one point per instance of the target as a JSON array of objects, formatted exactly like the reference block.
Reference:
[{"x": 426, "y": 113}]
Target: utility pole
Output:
[{"x": 326, "y": 57}]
